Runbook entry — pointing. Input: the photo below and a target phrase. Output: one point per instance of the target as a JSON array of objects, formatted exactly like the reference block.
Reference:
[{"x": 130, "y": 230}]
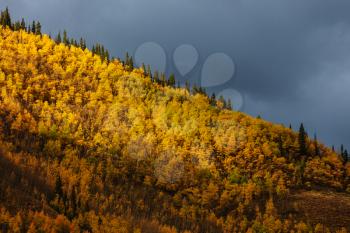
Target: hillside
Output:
[{"x": 91, "y": 145}]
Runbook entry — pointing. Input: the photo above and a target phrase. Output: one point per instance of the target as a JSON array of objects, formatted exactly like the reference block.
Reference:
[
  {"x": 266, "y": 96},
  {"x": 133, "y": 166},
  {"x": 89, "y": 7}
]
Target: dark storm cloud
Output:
[{"x": 292, "y": 57}]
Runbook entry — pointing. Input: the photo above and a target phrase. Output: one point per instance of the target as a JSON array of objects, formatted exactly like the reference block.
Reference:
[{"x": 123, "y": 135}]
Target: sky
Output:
[{"x": 287, "y": 61}]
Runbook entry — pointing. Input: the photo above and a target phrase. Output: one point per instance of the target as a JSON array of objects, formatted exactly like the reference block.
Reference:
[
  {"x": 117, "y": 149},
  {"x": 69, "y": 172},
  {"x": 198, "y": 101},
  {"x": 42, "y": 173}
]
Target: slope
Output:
[{"x": 88, "y": 137}]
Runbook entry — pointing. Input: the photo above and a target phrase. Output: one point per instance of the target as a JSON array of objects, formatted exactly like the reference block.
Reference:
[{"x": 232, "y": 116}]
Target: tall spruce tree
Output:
[
  {"x": 38, "y": 28},
  {"x": 33, "y": 27},
  {"x": 229, "y": 104},
  {"x": 187, "y": 86},
  {"x": 65, "y": 38},
  {"x": 6, "y": 18},
  {"x": 58, "y": 38},
  {"x": 149, "y": 72},
  {"x": 23, "y": 24},
  {"x": 317, "y": 149},
  {"x": 342, "y": 150},
  {"x": 162, "y": 79},
  {"x": 213, "y": 100},
  {"x": 58, "y": 186},
  {"x": 346, "y": 156},
  {"x": 302, "y": 140},
  {"x": 172, "y": 81}
]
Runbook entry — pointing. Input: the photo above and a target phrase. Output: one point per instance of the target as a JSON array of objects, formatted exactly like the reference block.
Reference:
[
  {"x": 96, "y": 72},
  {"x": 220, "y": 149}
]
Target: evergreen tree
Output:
[
  {"x": 107, "y": 55},
  {"x": 187, "y": 86},
  {"x": 213, "y": 100},
  {"x": 317, "y": 149},
  {"x": 131, "y": 63},
  {"x": 126, "y": 60},
  {"x": 23, "y": 24},
  {"x": 58, "y": 38},
  {"x": 149, "y": 72},
  {"x": 65, "y": 38},
  {"x": 195, "y": 89},
  {"x": 73, "y": 200},
  {"x": 33, "y": 27},
  {"x": 6, "y": 18},
  {"x": 82, "y": 43},
  {"x": 58, "y": 186},
  {"x": 144, "y": 69},
  {"x": 17, "y": 26},
  {"x": 229, "y": 104},
  {"x": 156, "y": 77},
  {"x": 302, "y": 140},
  {"x": 280, "y": 146},
  {"x": 342, "y": 150},
  {"x": 171, "y": 81},
  {"x": 346, "y": 156},
  {"x": 222, "y": 100},
  {"x": 162, "y": 79},
  {"x": 38, "y": 28}
]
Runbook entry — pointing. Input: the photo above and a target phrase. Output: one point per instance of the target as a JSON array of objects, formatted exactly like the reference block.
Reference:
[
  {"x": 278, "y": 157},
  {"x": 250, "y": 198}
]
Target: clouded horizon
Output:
[{"x": 292, "y": 58}]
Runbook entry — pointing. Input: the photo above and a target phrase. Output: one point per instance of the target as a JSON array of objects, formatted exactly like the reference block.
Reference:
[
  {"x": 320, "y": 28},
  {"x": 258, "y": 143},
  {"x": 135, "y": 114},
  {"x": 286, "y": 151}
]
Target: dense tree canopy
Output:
[{"x": 100, "y": 146}]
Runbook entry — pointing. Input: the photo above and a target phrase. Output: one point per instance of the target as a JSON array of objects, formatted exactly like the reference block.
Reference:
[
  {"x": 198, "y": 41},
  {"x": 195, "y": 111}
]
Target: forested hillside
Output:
[{"x": 92, "y": 144}]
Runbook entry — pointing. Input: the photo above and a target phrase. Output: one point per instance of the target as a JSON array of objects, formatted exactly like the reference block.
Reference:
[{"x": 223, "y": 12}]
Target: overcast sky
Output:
[{"x": 292, "y": 58}]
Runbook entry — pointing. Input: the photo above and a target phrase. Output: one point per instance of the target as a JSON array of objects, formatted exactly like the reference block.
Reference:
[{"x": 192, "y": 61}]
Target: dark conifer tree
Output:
[
  {"x": 65, "y": 38},
  {"x": 302, "y": 140},
  {"x": 222, "y": 100},
  {"x": 213, "y": 100},
  {"x": 38, "y": 28},
  {"x": 17, "y": 26},
  {"x": 107, "y": 55},
  {"x": 280, "y": 146},
  {"x": 342, "y": 150},
  {"x": 162, "y": 79},
  {"x": 346, "y": 156},
  {"x": 144, "y": 69},
  {"x": 6, "y": 18},
  {"x": 171, "y": 81},
  {"x": 23, "y": 24},
  {"x": 187, "y": 86},
  {"x": 82, "y": 43},
  {"x": 58, "y": 186},
  {"x": 194, "y": 89},
  {"x": 73, "y": 200},
  {"x": 149, "y": 72},
  {"x": 33, "y": 27},
  {"x": 131, "y": 63},
  {"x": 126, "y": 60},
  {"x": 229, "y": 104},
  {"x": 58, "y": 38},
  {"x": 317, "y": 149},
  {"x": 156, "y": 78}
]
